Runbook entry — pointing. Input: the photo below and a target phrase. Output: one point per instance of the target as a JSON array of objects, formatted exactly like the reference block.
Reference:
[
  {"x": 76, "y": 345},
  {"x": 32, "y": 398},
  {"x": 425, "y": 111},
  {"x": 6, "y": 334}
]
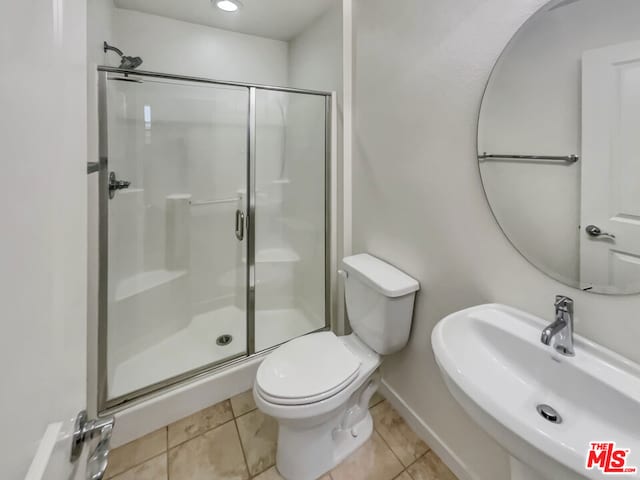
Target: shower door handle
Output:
[{"x": 239, "y": 224}]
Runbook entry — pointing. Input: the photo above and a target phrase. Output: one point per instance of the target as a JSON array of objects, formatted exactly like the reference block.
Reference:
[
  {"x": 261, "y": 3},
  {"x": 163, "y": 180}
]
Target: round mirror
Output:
[{"x": 559, "y": 143}]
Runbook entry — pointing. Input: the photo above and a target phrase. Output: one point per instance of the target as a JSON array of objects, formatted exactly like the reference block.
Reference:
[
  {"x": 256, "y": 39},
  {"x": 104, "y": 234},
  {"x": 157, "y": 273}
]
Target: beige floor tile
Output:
[
  {"x": 373, "y": 461},
  {"x": 259, "y": 435},
  {"x": 243, "y": 403},
  {"x": 403, "y": 476},
  {"x": 136, "y": 452},
  {"x": 375, "y": 399},
  {"x": 272, "y": 474},
  {"x": 214, "y": 455},
  {"x": 193, "y": 425},
  {"x": 430, "y": 467},
  {"x": 154, "y": 469},
  {"x": 393, "y": 429}
]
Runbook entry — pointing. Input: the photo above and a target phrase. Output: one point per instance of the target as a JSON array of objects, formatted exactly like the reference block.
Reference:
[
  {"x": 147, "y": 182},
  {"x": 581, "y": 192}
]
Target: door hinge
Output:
[{"x": 86, "y": 430}]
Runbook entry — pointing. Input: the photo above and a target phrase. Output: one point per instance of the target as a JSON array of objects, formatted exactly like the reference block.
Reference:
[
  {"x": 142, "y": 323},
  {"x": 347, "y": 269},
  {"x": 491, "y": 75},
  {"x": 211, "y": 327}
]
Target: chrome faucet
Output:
[{"x": 562, "y": 328}]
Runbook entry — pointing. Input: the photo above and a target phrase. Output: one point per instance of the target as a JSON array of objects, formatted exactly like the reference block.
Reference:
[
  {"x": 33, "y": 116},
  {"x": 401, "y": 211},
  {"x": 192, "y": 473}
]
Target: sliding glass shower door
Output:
[
  {"x": 176, "y": 270},
  {"x": 213, "y": 225}
]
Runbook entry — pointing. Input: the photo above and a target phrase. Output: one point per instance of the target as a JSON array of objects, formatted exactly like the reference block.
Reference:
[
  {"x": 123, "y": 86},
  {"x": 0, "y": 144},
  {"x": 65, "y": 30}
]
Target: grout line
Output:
[
  {"x": 404, "y": 469},
  {"x": 244, "y": 455},
  {"x": 167, "y": 452},
  {"x": 389, "y": 447},
  {"x": 382, "y": 399},
  {"x": 246, "y": 413},
  {"x": 420, "y": 457},
  {"x": 416, "y": 461}
]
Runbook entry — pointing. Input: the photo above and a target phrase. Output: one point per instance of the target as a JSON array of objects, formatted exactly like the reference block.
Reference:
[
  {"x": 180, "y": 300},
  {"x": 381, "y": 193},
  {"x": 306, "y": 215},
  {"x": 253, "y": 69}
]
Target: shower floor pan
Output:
[{"x": 195, "y": 346}]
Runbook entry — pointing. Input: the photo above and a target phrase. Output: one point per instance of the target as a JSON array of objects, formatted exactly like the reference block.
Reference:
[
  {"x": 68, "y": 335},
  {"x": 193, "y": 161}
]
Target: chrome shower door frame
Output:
[{"x": 106, "y": 405}]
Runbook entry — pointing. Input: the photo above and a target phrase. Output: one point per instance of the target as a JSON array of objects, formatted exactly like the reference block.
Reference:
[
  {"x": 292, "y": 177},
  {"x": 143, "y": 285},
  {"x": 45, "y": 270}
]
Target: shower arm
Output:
[{"x": 108, "y": 47}]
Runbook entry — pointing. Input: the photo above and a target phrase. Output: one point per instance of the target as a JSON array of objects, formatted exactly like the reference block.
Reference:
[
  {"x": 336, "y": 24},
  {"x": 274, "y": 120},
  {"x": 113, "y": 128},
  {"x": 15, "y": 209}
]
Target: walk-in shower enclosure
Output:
[{"x": 213, "y": 228}]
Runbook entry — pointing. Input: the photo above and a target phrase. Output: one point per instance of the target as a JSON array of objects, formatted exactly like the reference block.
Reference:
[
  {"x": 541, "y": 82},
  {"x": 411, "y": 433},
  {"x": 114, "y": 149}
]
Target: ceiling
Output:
[{"x": 277, "y": 19}]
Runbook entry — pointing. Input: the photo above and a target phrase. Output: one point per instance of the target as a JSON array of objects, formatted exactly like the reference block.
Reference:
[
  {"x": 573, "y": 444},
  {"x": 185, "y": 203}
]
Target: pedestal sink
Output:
[{"x": 544, "y": 408}]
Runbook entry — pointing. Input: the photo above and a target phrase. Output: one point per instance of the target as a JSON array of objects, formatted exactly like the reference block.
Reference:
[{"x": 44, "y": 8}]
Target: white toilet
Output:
[{"x": 318, "y": 386}]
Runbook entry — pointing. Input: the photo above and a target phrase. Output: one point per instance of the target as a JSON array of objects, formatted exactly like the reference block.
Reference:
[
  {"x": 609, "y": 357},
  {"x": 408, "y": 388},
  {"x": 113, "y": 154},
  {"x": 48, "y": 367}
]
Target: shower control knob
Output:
[{"x": 115, "y": 184}]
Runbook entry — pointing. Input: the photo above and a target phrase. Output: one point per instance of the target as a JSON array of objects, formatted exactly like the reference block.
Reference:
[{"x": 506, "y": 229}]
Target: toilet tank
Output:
[{"x": 379, "y": 300}]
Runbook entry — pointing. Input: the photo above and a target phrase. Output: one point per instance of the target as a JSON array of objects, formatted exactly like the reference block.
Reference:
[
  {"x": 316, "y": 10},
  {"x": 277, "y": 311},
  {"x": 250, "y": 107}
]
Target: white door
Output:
[
  {"x": 611, "y": 168},
  {"x": 43, "y": 266},
  {"x": 52, "y": 460}
]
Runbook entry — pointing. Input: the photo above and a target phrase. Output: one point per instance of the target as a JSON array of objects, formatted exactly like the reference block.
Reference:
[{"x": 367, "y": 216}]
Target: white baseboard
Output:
[{"x": 448, "y": 456}]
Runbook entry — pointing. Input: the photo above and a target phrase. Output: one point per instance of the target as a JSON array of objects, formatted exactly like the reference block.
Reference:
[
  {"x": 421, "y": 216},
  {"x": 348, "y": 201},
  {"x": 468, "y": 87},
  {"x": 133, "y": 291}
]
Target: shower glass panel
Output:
[
  {"x": 290, "y": 215},
  {"x": 177, "y": 272}
]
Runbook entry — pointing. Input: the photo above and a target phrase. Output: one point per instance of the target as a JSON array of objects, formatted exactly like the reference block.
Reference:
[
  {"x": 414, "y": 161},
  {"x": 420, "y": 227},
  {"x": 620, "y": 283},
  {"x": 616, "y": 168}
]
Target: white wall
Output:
[
  {"x": 173, "y": 46},
  {"x": 315, "y": 56},
  {"x": 43, "y": 244},
  {"x": 420, "y": 70},
  {"x": 533, "y": 106}
]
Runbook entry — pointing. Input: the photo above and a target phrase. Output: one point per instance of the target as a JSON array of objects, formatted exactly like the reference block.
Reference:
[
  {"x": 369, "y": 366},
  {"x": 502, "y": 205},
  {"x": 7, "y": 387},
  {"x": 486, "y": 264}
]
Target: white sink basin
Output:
[{"x": 495, "y": 366}]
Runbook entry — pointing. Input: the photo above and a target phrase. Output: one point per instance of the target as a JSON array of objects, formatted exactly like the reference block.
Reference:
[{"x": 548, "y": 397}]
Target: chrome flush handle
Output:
[{"x": 594, "y": 231}]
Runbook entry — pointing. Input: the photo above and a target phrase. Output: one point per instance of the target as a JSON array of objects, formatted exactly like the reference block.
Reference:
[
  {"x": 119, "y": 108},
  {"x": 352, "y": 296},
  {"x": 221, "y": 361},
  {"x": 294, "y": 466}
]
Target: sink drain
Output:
[
  {"x": 223, "y": 340},
  {"x": 549, "y": 413}
]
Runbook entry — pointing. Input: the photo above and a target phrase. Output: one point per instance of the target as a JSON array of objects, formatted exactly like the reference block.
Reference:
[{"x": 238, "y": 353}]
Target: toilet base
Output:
[{"x": 310, "y": 453}]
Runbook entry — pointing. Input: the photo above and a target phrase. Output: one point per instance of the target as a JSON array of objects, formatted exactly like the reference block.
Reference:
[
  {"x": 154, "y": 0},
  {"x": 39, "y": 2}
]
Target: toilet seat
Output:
[{"x": 306, "y": 370}]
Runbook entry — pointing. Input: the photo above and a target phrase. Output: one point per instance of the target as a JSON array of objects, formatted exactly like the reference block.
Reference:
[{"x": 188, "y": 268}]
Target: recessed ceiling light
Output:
[{"x": 228, "y": 5}]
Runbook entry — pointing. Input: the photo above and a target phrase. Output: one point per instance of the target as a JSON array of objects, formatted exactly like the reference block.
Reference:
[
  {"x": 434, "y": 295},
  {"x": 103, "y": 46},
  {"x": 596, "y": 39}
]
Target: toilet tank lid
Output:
[{"x": 379, "y": 275}]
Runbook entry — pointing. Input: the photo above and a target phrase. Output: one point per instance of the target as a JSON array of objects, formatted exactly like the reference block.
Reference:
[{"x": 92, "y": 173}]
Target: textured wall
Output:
[{"x": 420, "y": 70}]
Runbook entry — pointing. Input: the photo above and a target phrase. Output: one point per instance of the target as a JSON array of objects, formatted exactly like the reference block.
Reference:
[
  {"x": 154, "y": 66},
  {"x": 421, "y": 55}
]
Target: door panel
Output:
[
  {"x": 611, "y": 167},
  {"x": 291, "y": 216},
  {"x": 176, "y": 271},
  {"x": 51, "y": 461},
  {"x": 43, "y": 133}
]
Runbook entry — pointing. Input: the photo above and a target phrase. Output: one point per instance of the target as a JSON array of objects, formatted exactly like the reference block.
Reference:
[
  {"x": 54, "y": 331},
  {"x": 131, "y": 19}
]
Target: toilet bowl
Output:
[{"x": 318, "y": 386}]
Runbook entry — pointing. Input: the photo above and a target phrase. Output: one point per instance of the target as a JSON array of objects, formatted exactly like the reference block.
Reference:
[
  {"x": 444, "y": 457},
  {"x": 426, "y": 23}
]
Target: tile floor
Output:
[{"x": 233, "y": 441}]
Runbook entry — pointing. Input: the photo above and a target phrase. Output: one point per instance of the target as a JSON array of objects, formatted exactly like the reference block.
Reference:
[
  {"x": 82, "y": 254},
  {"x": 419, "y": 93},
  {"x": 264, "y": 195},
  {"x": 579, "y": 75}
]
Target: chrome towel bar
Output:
[{"x": 556, "y": 158}]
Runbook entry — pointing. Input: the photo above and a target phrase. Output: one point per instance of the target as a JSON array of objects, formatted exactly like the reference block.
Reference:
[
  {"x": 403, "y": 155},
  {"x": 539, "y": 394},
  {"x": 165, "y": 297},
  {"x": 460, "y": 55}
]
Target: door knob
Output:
[{"x": 594, "y": 231}]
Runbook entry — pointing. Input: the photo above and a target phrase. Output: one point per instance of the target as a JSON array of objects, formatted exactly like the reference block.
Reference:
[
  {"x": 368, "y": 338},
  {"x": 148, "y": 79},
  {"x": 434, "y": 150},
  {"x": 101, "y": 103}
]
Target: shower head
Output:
[
  {"x": 126, "y": 62},
  {"x": 130, "y": 62}
]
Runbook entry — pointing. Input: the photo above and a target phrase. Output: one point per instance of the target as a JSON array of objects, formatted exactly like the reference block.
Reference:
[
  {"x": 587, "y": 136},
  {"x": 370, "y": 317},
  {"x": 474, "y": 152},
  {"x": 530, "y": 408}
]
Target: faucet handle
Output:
[{"x": 563, "y": 302}]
